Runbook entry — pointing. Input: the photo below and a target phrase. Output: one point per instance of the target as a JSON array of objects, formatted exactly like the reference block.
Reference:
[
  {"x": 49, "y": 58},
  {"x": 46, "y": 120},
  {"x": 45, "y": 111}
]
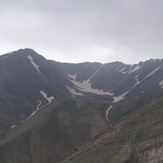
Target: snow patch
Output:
[
  {"x": 85, "y": 86},
  {"x": 107, "y": 112},
  {"x": 137, "y": 67},
  {"x": 121, "y": 97},
  {"x": 72, "y": 76},
  {"x": 13, "y": 126},
  {"x": 39, "y": 104},
  {"x": 137, "y": 81},
  {"x": 161, "y": 84},
  {"x": 38, "y": 108},
  {"x": 122, "y": 70},
  {"x": 35, "y": 65},
  {"x": 96, "y": 72},
  {"x": 73, "y": 92},
  {"x": 46, "y": 97},
  {"x": 150, "y": 74}
]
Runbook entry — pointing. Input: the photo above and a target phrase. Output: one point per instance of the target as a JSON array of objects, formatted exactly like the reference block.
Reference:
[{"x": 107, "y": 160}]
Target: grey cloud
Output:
[{"x": 87, "y": 30}]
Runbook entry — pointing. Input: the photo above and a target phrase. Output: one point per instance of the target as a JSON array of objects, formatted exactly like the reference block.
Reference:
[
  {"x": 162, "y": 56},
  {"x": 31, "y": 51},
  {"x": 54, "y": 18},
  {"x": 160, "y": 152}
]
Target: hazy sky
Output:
[{"x": 84, "y": 30}]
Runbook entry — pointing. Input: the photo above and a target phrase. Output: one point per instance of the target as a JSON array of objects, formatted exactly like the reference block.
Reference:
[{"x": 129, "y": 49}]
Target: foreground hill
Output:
[
  {"x": 55, "y": 132},
  {"x": 137, "y": 138}
]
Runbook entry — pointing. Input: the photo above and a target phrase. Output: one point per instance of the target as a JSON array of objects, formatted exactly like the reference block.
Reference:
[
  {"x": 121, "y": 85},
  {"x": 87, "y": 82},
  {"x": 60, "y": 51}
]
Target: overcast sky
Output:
[{"x": 84, "y": 30}]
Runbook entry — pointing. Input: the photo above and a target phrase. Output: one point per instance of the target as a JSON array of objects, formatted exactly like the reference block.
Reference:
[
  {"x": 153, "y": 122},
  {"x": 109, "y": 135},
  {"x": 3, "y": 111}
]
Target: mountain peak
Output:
[{"x": 26, "y": 51}]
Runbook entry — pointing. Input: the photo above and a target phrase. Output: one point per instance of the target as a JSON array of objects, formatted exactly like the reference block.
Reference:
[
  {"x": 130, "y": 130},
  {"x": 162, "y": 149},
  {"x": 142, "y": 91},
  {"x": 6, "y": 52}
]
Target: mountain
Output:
[
  {"x": 52, "y": 112},
  {"x": 26, "y": 83}
]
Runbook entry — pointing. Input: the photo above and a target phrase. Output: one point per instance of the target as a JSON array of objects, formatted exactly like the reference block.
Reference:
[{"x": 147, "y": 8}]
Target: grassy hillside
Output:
[
  {"x": 137, "y": 138},
  {"x": 132, "y": 104},
  {"x": 55, "y": 132}
]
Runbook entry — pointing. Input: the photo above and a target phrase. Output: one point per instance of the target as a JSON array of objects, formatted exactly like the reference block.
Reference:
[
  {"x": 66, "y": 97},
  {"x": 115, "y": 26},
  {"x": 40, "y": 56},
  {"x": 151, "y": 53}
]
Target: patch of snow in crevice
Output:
[
  {"x": 73, "y": 92},
  {"x": 161, "y": 84},
  {"x": 46, "y": 97},
  {"x": 150, "y": 74},
  {"x": 96, "y": 72},
  {"x": 38, "y": 108},
  {"x": 72, "y": 76},
  {"x": 107, "y": 112},
  {"x": 137, "y": 67},
  {"x": 49, "y": 99},
  {"x": 35, "y": 65},
  {"x": 121, "y": 97},
  {"x": 39, "y": 104},
  {"x": 122, "y": 70},
  {"x": 13, "y": 126},
  {"x": 137, "y": 81},
  {"x": 85, "y": 86}
]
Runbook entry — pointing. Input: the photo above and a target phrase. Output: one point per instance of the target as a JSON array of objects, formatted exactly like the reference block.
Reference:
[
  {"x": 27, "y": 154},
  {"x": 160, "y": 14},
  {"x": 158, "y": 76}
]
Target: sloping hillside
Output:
[
  {"x": 137, "y": 138},
  {"x": 55, "y": 132}
]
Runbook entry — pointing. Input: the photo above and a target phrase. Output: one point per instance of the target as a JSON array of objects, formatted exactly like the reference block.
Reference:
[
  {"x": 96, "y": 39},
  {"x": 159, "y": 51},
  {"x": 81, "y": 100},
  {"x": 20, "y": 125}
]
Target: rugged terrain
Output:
[{"x": 87, "y": 112}]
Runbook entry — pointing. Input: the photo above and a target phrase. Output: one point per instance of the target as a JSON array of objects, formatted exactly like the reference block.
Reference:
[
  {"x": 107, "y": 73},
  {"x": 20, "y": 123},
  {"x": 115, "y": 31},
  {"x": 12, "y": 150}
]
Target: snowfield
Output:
[
  {"x": 121, "y": 97},
  {"x": 85, "y": 86}
]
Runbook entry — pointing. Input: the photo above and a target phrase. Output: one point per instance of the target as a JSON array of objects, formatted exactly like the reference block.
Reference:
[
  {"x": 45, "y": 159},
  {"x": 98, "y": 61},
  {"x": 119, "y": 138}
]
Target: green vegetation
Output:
[
  {"x": 132, "y": 140},
  {"x": 54, "y": 132}
]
